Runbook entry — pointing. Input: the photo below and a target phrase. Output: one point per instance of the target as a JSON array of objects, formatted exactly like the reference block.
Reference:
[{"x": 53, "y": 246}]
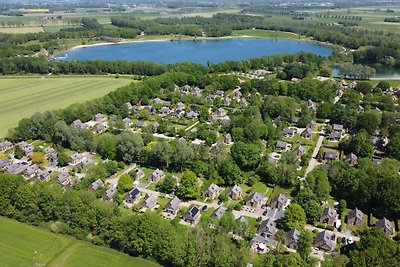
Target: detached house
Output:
[
  {"x": 282, "y": 146},
  {"x": 267, "y": 228},
  {"x": 351, "y": 159},
  {"x": 99, "y": 117},
  {"x": 288, "y": 133},
  {"x": 299, "y": 151},
  {"x": 96, "y": 185},
  {"x": 323, "y": 241},
  {"x": 211, "y": 191},
  {"x": 64, "y": 180},
  {"x": 218, "y": 213},
  {"x": 292, "y": 238},
  {"x": 132, "y": 196},
  {"x": 150, "y": 203},
  {"x": 235, "y": 192},
  {"x": 109, "y": 193},
  {"x": 192, "y": 215},
  {"x": 307, "y": 133},
  {"x": 127, "y": 122},
  {"x": 279, "y": 202},
  {"x": 6, "y": 145},
  {"x": 156, "y": 176},
  {"x": 172, "y": 208},
  {"x": 255, "y": 200},
  {"x": 330, "y": 155},
  {"x": 355, "y": 217},
  {"x": 329, "y": 216},
  {"x": 385, "y": 225},
  {"x": 75, "y": 158}
]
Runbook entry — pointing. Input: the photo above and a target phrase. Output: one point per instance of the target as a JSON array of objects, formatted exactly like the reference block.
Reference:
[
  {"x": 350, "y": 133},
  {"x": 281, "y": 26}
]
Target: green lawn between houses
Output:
[
  {"x": 22, "y": 97},
  {"x": 24, "y": 245}
]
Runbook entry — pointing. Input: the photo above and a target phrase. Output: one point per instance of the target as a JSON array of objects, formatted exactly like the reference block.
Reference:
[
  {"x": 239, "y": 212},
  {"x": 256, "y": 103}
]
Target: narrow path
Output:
[
  {"x": 313, "y": 162},
  {"x": 114, "y": 181},
  {"x": 60, "y": 258},
  {"x": 192, "y": 126}
]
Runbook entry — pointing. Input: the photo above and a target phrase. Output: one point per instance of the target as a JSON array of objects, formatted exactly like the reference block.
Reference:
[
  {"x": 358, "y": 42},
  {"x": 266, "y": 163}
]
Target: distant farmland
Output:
[
  {"x": 23, "y": 245},
  {"x": 22, "y": 97}
]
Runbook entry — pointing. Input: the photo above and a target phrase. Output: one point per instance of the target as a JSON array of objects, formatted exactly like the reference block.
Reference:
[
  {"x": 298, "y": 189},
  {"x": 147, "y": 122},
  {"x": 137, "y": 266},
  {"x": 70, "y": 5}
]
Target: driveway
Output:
[{"x": 114, "y": 181}]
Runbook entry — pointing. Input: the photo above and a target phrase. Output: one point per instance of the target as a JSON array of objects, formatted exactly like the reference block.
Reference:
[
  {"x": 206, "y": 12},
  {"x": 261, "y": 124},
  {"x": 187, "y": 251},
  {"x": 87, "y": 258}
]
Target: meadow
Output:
[
  {"x": 24, "y": 245},
  {"x": 22, "y": 97}
]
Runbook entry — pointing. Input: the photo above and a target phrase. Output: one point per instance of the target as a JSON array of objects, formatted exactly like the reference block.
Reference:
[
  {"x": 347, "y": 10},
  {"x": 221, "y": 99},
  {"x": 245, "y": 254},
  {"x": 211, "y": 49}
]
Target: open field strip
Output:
[
  {"x": 22, "y": 97},
  {"x": 24, "y": 245}
]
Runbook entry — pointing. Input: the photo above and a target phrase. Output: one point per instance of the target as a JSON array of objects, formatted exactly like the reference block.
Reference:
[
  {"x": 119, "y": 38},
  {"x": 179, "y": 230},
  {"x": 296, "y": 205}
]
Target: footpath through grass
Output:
[
  {"x": 22, "y": 97},
  {"x": 24, "y": 245}
]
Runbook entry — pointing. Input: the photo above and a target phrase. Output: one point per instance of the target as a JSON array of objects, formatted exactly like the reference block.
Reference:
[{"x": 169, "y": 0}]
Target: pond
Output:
[{"x": 201, "y": 52}]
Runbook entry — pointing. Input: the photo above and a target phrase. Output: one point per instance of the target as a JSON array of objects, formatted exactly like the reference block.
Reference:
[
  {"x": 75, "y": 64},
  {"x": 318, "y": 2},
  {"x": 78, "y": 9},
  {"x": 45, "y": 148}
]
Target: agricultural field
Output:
[
  {"x": 269, "y": 34},
  {"x": 25, "y": 245},
  {"x": 24, "y": 29},
  {"x": 29, "y": 95}
]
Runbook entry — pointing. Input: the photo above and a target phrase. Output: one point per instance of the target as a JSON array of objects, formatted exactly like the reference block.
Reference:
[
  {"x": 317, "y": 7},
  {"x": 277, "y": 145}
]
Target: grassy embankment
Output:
[
  {"x": 22, "y": 97},
  {"x": 24, "y": 245}
]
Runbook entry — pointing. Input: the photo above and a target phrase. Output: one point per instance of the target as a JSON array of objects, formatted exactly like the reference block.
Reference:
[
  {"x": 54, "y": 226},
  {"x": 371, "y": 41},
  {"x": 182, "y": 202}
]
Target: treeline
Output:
[
  {"x": 392, "y": 19},
  {"x": 17, "y": 65},
  {"x": 80, "y": 213}
]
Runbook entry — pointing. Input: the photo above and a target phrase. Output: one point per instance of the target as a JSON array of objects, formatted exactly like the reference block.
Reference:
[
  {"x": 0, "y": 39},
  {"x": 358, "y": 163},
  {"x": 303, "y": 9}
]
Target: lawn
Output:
[
  {"x": 22, "y": 29},
  {"x": 25, "y": 245},
  {"x": 22, "y": 97},
  {"x": 268, "y": 34}
]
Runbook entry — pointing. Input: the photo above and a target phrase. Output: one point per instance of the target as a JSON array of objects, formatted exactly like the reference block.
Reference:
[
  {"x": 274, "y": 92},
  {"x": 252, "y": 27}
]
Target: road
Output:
[
  {"x": 114, "y": 181},
  {"x": 313, "y": 162}
]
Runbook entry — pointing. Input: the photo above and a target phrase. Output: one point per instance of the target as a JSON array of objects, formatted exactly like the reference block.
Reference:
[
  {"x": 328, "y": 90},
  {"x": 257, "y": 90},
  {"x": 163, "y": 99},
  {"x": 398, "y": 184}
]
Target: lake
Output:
[{"x": 214, "y": 51}]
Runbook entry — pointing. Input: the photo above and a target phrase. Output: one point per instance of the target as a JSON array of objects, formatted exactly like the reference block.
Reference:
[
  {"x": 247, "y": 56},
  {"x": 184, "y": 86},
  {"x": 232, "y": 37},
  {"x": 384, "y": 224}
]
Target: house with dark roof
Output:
[
  {"x": 292, "y": 239},
  {"x": 386, "y": 226},
  {"x": 267, "y": 228},
  {"x": 96, "y": 185},
  {"x": 329, "y": 216},
  {"x": 288, "y": 133},
  {"x": 312, "y": 125},
  {"x": 44, "y": 175},
  {"x": 6, "y": 145},
  {"x": 355, "y": 217},
  {"x": 150, "y": 203},
  {"x": 192, "y": 215},
  {"x": 64, "y": 180},
  {"x": 279, "y": 202},
  {"x": 227, "y": 139},
  {"x": 282, "y": 146},
  {"x": 218, "y": 213},
  {"x": 351, "y": 159},
  {"x": 4, "y": 163},
  {"x": 79, "y": 125},
  {"x": 300, "y": 151},
  {"x": 255, "y": 200},
  {"x": 172, "y": 208},
  {"x": 156, "y": 176},
  {"x": 108, "y": 195},
  {"x": 328, "y": 155},
  {"x": 338, "y": 128},
  {"x": 99, "y": 117},
  {"x": 132, "y": 196},
  {"x": 334, "y": 137},
  {"x": 127, "y": 122},
  {"x": 211, "y": 191},
  {"x": 31, "y": 171},
  {"x": 307, "y": 133},
  {"x": 235, "y": 192},
  {"x": 192, "y": 114},
  {"x": 140, "y": 124},
  {"x": 99, "y": 128},
  {"x": 323, "y": 241},
  {"x": 75, "y": 158}
]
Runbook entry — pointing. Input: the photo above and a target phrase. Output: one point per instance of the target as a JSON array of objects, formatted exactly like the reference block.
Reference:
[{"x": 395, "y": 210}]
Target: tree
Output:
[
  {"x": 106, "y": 146},
  {"x": 162, "y": 153},
  {"x": 62, "y": 159},
  {"x": 363, "y": 87},
  {"x": 361, "y": 145},
  {"x": 183, "y": 154},
  {"x": 304, "y": 244},
  {"x": 18, "y": 152},
  {"x": 37, "y": 157},
  {"x": 167, "y": 185},
  {"x": 125, "y": 183},
  {"x": 230, "y": 172},
  {"x": 294, "y": 217},
  {"x": 369, "y": 121},
  {"x": 318, "y": 181},
  {"x": 393, "y": 147},
  {"x": 245, "y": 155},
  {"x": 188, "y": 187},
  {"x": 130, "y": 147},
  {"x": 310, "y": 203},
  {"x": 94, "y": 172}
]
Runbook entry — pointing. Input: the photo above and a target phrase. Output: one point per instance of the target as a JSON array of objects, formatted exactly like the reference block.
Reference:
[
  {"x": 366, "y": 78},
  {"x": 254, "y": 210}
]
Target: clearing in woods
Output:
[
  {"x": 24, "y": 245},
  {"x": 22, "y": 97}
]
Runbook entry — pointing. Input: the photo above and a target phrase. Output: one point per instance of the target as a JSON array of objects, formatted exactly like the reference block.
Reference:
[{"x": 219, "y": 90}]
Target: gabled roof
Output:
[
  {"x": 329, "y": 212},
  {"x": 218, "y": 213},
  {"x": 173, "y": 204},
  {"x": 236, "y": 190},
  {"x": 337, "y": 127},
  {"x": 192, "y": 213},
  {"x": 134, "y": 193},
  {"x": 280, "y": 199},
  {"x": 384, "y": 224},
  {"x": 213, "y": 188},
  {"x": 281, "y": 144},
  {"x": 158, "y": 173},
  {"x": 351, "y": 157},
  {"x": 256, "y": 197},
  {"x": 293, "y": 234},
  {"x": 150, "y": 202},
  {"x": 111, "y": 192},
  {"x": 267, "y": 226},
  {"x": 330, "y": 155},
  {"x": 325, "y": 238},
  {"x": 356, "y": 213},
  {"x": 97, "y": 184}
]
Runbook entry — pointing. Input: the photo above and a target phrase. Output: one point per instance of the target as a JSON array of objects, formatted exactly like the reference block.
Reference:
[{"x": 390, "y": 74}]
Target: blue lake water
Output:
[{"x": 214, "y": 51}]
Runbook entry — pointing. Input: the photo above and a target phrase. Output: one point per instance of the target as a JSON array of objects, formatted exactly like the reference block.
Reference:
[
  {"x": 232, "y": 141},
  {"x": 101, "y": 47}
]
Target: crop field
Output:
[
  {"x": 22, "y": 97},
  {"x": 25, "y": 29},
  {"x": 24, "y": 245}
]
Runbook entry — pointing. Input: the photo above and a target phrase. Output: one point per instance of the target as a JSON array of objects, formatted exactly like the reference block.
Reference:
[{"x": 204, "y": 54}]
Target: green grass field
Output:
[
  {"x": 24, "y": 245},
  {"x": 24, "y": 29},
  {"x": 22, "y": 97}
]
